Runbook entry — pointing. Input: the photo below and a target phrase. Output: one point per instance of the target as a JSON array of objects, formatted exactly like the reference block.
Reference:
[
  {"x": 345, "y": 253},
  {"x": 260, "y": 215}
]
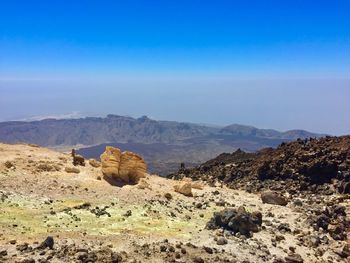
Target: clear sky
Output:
[{"x": 272, "y": 64}]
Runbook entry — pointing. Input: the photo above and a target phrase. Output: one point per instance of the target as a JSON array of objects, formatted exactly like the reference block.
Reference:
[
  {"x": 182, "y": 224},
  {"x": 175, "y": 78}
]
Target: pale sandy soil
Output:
[{"x": 36, "y": 205}]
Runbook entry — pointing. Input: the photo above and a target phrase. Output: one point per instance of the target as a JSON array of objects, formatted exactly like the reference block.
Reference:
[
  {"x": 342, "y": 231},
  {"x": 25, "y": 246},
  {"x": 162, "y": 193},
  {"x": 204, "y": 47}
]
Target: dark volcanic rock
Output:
[
  {"x": 314, "y": 165},
  {"x": 332, "y": 219},
  {"x": 48, "y": 243},
  {"x": 236, "y": 220},
  {"x": 294, "y": 258},
  {"x": 273, "y": 198}
]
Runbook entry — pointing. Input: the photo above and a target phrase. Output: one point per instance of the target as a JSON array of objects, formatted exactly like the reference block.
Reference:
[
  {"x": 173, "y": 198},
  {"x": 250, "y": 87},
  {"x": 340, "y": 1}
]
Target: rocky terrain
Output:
[
  {"x": 54, "y": 211},
  {"x": 313, "y": 165},
  {"x": 163, "y": 144}
]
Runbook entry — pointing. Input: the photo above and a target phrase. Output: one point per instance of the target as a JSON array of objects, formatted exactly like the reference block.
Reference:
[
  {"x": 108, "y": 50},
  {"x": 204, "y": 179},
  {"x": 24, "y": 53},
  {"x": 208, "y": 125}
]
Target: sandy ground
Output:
[{"x": 38, "y": 199}]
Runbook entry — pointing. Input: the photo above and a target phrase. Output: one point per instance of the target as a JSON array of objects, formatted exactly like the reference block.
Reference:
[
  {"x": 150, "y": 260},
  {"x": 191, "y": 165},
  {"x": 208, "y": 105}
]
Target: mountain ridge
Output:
[
  {"x": 122, "y": 129},
  {"x": 163, "y": 144}
]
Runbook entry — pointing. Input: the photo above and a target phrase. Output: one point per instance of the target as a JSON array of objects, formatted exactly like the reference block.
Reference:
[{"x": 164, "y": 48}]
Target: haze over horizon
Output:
[{"x": 270, "y": 64}]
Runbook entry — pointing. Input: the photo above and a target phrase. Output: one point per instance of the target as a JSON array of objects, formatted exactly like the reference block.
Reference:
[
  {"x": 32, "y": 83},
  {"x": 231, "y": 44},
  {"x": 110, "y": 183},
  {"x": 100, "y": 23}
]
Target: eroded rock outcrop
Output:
[{"x": 125, "y": 167}]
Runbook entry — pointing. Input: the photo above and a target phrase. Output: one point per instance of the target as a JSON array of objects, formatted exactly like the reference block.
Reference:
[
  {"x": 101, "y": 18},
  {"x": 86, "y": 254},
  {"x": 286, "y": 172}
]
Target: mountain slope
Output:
[
  {"x": 121, "y": 129},
  {"x": 92, "y": 131},
  {"x": 83, "y": 218},
  {"x": 164, "y": 144}
]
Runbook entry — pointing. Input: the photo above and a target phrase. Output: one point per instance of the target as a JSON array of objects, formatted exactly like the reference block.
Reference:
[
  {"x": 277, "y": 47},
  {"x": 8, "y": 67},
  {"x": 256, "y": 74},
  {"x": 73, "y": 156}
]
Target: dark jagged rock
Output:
[
  {"x": 294, "y": 258},
  {"x": 77, "y": 159},
  {"x": 315, "y": 165},
  {"x": 236, "y": 220},
  {"x": 47, "y": 243},
  {"x": 332, "y": 219}
]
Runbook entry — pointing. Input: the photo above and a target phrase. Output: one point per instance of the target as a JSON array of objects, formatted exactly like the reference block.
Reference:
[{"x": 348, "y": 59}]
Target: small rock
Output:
[
  {"x": 221, "y": 241},
  {"x": 94, "y": 163},
  {"x": 273, "y": 198},
  {"x": 9, "y": 164},
  {"x": 22, "y": 247},
  {"x": 168, "y": 196},
  {"x": 197, "y": 259},
  {"x": 209, "y": 250},
  {"x": 48, "y": 243},
  {"x": 128, "y": 213},
  {"x": 184, "y": 188},
  {"x": 294, "y": 258},
  {"x": 72, "y": 170}
]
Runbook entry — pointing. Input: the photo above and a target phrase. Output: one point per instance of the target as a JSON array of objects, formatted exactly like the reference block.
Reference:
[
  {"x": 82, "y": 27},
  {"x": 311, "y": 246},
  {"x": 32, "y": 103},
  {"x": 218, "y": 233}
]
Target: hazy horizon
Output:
[{"x": 270, "y": 64}]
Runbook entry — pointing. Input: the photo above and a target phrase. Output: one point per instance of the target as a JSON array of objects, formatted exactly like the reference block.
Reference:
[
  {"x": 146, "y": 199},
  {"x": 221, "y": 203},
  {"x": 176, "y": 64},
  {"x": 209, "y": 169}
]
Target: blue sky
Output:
[{"x": 157, "y": 50}]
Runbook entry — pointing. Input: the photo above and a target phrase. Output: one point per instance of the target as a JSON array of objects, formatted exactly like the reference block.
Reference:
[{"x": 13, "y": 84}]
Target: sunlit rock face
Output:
[{"x": 125, "y": 167}]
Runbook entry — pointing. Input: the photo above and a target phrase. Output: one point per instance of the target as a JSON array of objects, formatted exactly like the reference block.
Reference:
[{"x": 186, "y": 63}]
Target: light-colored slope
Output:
[{"x": 37, "y": 203}]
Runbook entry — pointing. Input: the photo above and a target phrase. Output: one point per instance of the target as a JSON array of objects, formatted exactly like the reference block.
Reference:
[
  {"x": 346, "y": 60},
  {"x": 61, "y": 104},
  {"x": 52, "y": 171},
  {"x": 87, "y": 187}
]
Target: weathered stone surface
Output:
[
  {"x": 273, "y": 198},
  {"x": 110, "y": 161},
  {"x": 294, "y": 258},
  {"x": 72, "y": 170},
  {"x": 47, "y": 243},
  {"x": 132, "y": 167},
  {"x": 236, "y": 220},
  {"x": 184, "y": 188},
  {"x": 94, "y": 163},
  {"x": 126, "y": 167}
]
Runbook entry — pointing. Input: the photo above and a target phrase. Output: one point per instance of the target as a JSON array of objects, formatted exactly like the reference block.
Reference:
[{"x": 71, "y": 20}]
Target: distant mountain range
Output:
[{"x": 164, "y": 144}]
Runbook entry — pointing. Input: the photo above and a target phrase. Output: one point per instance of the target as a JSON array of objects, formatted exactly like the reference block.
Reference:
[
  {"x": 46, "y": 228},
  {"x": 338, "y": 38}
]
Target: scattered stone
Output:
[
  {"x": 100, "y": 211},
  {"x": 9, "y": 164},
  {"x": 22, "y": 247},
  {"x": 184, "y": 188},
  {"x": 143, "y": 184},
  {"x": 168, "y": 196},
  {"x": 128, "y": 213},
  {"x": 294, "y": 258},
  {"x": 72, "y": 170},
  {"x": 273, "y": 198},
  {"x": 221, "y": 241},
  {"x": 197, "y": 259},
  {"x": 47, "y": 243},
  {"x": 209, "y": 250},
  {"x": 94, "y": 163}
]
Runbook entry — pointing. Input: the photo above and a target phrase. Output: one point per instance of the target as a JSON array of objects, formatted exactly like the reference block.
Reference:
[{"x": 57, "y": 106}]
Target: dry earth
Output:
[{"x": 93, "y": 221}]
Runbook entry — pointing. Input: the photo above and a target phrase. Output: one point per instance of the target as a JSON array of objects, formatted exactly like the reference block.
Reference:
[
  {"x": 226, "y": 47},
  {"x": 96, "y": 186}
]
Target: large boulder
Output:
[{"x": 125, "y": 167}]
